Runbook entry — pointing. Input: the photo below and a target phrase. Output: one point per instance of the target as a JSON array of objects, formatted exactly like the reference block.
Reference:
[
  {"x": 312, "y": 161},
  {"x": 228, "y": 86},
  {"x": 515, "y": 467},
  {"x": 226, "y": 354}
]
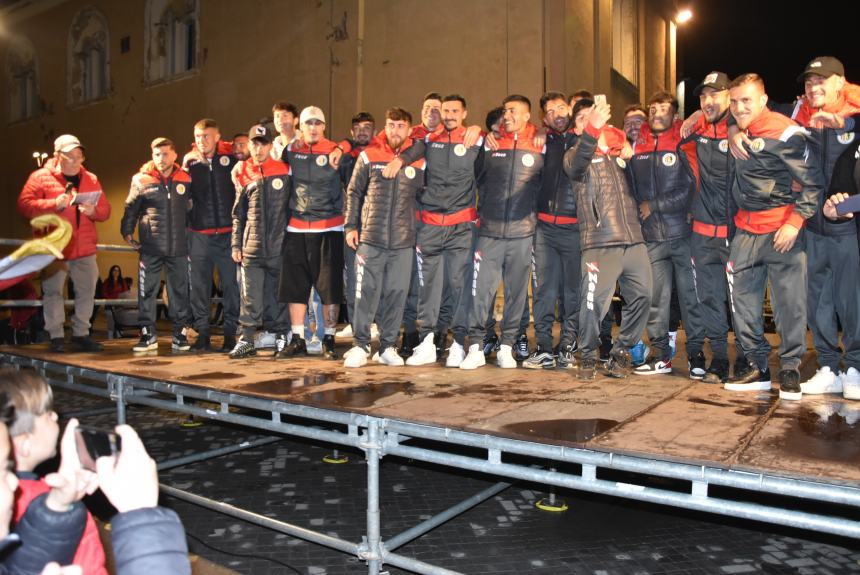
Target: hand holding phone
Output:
[
  {"x": 848, "y": 206},
  {"x": 94, "y": 443},
  {"x": 70, "y": 482},
  {"x": 600, "y": 99}
]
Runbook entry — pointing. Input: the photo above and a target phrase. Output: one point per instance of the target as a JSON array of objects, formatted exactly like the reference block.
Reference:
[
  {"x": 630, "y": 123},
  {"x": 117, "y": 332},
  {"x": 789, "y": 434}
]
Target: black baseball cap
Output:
[
  {"x": 260, "y": 132},
  {"x": 824, "y": 66},
  {"x": 717, "y": 80}
]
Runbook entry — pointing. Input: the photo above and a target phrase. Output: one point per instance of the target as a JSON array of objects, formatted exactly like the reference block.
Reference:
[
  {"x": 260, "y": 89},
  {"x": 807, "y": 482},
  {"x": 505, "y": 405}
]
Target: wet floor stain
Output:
[
  {"x": 291, "y": 384},
  {"x": 828, "y": 431},
  {"x": 359, "y": 396},
  {"x": 703, "y": 401},
  {"x": 210, "y": 376},
  {"x": 150, "y": 362},
  {"x": 570, "y": 430}
]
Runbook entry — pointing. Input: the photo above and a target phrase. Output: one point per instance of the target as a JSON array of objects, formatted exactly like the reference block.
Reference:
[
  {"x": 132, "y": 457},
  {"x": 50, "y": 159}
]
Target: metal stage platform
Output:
[{"x": 660, "y": 439}]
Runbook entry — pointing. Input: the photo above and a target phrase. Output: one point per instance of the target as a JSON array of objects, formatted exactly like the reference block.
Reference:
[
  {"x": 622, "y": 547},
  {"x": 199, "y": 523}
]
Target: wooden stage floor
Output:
[{"x": 668, "y": 417}]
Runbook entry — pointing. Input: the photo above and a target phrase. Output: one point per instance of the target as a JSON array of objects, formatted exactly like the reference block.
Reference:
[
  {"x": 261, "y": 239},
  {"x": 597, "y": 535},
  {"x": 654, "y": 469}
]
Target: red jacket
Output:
[
  {"x": 90, "y": 555},
  {"x": 39, "y": 197}
]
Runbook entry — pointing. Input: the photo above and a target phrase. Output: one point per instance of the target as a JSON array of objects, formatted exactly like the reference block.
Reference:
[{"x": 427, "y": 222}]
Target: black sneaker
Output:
[
  {"x": 654, "y": 366},
  {"x": 243, "y": 348},
  {"x": 605, "y": 348},
  {"x": 696, "y": 364},
  {"x": 521, "y": 347},
  {"x": 566, "y": 358},
  {"x": 297, "y": 346},
  {"x": 620, "y": 364},
  {"x": 491, "y": 344},
  {"x": 718, "y": 371},
  {"x": 328, "y": 347},
  {"x": 741, "y": 366},
  {"x": 408, "y": 343},
  {"x": 228, "y": 345},
  {"x": 202, "y": 343},
  {"x": 148, "y": 341},
  {"x": 180, "y": 342},
  {"x": 789, "y": 385},
  {"x": 587, "y": 369},
  {"x": 440, "y": 338},
  {"x": 84, "y": 343},
  {"x": 540, "y": 359},
  {"x": 280, "y": 343},
  {"x": 58, "y": 345},
  {"x": 750, "y": 378}
]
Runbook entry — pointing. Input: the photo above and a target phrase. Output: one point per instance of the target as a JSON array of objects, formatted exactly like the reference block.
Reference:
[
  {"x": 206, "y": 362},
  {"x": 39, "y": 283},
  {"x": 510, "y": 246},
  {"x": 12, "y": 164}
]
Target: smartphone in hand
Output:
[
  {"x": 851, "y": 204},
  {"x": 94, "y": 443},
  {"x": 600, "y": 99}
]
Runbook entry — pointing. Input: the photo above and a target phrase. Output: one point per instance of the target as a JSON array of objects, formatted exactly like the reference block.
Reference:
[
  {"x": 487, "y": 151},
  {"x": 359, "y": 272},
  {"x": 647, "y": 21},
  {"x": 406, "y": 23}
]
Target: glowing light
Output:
[{"x": 683, "y": 16}]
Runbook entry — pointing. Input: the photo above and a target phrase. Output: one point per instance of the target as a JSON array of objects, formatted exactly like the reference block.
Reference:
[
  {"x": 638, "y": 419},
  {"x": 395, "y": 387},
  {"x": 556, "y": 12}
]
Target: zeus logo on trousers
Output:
[
  {"x": 359, "y": 274},
  {"x": 593, "y": 272},
  {"x": 475, "y": 269}
]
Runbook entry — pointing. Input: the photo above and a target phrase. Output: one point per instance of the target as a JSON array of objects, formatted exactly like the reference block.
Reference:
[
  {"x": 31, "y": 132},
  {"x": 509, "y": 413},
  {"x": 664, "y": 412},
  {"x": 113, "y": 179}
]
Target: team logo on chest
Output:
[
  {"x": 322, "y": 161},
  {"x": 757, "y": 145},
  {"x": 409, "y": 172},
  {"x": 669, "y": 160},
  {"x": 278, "y": 183},
  {"x": 460, "y": 150},
  {"x": 528, "y": 160},
  {"x": 180, "y": 189},
  {"x": 621, "y": 163},
  {"x": 845, "y": 138},
  {"x": 224, "y": 161},
  {"x": 723, "y": 146}
]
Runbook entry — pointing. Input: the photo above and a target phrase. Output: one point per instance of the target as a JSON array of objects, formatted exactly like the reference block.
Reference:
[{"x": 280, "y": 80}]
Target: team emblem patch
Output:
[
  {"x": 723, "y": 146},
  {"x": 710, "y": 78},
  {"x": 757, "y": 145},
  {"x": 322, "y": 161},
  {"x": 669, "y": 160},
  {"x": 460, "y": 150},
  {"x": 278, "y": 184},
  {"x": 224, "y": 161},
  {"x": 845, "y": 138},
  {"x": 180, "y": 189},
  {"x": 528, "y": 160},
  {"x": 409, "y": 172},
  {"x": 621, "y": 163}
]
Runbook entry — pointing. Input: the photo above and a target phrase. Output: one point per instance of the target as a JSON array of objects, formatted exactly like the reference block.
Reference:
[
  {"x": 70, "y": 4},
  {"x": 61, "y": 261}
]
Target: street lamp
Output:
[{"x": 684, "y": 16}]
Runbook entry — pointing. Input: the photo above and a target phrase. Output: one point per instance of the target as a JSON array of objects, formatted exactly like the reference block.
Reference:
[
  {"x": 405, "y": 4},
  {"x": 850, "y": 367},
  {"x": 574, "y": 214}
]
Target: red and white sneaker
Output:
[{"x": 653, "y": 366}]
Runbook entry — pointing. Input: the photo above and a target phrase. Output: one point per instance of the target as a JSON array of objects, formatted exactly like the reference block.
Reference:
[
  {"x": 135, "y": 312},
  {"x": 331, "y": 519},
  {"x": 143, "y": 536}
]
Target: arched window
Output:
[
  {"x": 22, "y": 80},
  {"x": 88, "y": 66},
  {"x": 171, "y": 38},
  {"x": 625, "y": 39}
]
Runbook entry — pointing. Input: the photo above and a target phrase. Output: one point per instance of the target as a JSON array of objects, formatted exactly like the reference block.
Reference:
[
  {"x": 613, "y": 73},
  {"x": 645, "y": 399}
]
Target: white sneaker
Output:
[
  {"x": 265, "y": 340},
  {"x": 355, "y": 357},
  {"x": 391, "y": 357},
  {"x": 375, "y": 357},
  {"x": 850, "y": 383},
  {"x": 314, "y": 346},
  {"x": 456, "y": 355},
  {"x": 374, "y": 331},
  {"x": 424, "y": 352},
  {"x": 346, "y": 332},
  {"x": 824, "y": 381},
  {"x": 475, "y": 357},
  {"x": 505, "y": 357}
]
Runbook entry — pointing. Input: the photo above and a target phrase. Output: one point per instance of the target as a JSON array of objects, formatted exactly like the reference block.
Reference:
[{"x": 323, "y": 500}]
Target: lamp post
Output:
[{"x": 683, "y": 16}]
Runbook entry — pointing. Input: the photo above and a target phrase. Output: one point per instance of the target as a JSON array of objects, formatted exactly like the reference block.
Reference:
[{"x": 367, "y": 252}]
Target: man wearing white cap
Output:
[
  {"x": 313, "y": 247},
  {"x": 63, "y": 186}
]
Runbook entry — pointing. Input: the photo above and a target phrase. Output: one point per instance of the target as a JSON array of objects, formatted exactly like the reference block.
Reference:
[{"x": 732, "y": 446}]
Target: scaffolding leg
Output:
[
  {"x": 374, "y": 547},
  {"x": 335, "y": 457},
  {"x": 551, "y": 503}
]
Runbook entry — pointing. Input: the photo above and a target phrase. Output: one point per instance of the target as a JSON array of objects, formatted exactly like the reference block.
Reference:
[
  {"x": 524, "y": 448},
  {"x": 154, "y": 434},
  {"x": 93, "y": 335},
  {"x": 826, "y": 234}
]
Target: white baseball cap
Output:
[
  {"x": 67, "y": 143},
  {"x": 311, "y": 113}
]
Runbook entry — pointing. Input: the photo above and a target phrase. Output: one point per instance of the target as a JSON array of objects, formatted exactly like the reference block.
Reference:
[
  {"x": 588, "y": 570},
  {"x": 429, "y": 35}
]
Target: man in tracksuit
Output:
[
  {"x": 711, "y": 221},
  {"x": 766, "y": 246},
  {"x": 663, "y": 181},
  {"x": 259, "y": 224},
  {"x": 556, "y": 249},
  {"x": 845, "y": 183},
  {"x": 613, "y": 249},
  {"x": 158, "y": 204},
  {"x": 508, "y": 182},
  {"x": 313, "y": 247},
  {"x": 211, "y": 222},
  {"x": 833, "y": 264},
  {"x": 380, "y": 225}
]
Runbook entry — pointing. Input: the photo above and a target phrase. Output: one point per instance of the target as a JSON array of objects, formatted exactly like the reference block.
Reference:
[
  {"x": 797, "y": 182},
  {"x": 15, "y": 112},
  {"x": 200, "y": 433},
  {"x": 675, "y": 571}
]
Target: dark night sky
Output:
[{"x": 775, "y": 38}]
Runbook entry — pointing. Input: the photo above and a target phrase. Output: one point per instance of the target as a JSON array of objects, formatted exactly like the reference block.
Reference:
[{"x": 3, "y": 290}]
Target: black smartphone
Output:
[
  {"x": 852, "y": 204},
  {"x": 94, "y": 443}
]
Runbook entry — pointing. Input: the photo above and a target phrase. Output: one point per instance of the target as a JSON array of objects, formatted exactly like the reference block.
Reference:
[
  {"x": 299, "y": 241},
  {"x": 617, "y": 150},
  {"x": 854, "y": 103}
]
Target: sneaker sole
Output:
[
  {"x": 243, "y": 354},
  {"x": 851, "y": 394},
  {"x": 175, "y": 347},
  {"x": 150, "y": 347},
  {"x": 755, "y": 386},
  {"x": 476, "y": 366},
  {"x": 655, "y": 372},
  {"x": 696, "y": 376},
  {"x": 412, "y": 361},
  {"x": 791, "y": 395},
  {"x": 528, "y": 365}
]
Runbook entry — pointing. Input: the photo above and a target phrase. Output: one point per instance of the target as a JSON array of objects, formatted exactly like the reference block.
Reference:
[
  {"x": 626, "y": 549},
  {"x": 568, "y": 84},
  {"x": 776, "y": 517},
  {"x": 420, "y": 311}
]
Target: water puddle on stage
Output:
[
  {"x": 740, "y": 407},
  {"x": 150, "y": 362},
  {"x": 829, "y": 431},
  {"x": 210, "y": 376},
  {"x": 289, "y": 385},
  {"x": 364, "y": 395},
  {"x": 571, "y": 430}
]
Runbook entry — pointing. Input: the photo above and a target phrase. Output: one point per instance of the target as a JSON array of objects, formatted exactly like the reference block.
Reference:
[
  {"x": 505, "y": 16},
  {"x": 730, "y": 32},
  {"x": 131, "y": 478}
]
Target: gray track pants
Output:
[
  {"x": 381, "y": 283},
  {"x": 207, "y": 252},
  {"x": 260, "y": 305},
  {"x": 84, "y": 272},
  {"x": 558, "y": 275},
  {"x": 176, "y": 281}
]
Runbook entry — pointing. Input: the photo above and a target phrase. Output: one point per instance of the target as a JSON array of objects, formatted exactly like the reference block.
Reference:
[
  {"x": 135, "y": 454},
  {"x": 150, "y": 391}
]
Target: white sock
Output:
[
  {"x": 298, "y": 330},
  {"x": 330, "y": 330}
]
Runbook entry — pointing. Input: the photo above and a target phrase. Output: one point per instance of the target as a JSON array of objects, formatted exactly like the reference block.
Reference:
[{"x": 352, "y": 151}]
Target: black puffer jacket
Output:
[
  {"x": 383, "y": 209},
  {"x": 260, "y": 211},
  {"x": 711, "y": 203},
  {"x": 608, "y": 215},
  {"x": 317, "y": 192},
  {"x": 556, "y": 196},
  {"x": 213, "y": 193},
  {"x": 661, "y": 174},
  {"x": 509, "y": 179},
  {"x": 149, "y": 541},
  {"x": 159, "y": 207}
]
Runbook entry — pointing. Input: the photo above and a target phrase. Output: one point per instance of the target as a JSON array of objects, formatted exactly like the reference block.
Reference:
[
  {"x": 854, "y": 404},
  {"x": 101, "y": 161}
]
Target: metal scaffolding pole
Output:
[{"x": 227, "y": 450}]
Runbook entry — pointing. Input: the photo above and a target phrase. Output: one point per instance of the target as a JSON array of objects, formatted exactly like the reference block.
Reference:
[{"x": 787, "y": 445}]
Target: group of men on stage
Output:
[{"x": 429, "y": 218}]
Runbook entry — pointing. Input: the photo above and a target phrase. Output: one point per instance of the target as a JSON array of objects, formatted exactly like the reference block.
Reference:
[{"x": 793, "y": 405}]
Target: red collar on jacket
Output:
[
  {"x": 666, "y": 141},
  {"x": 524, "y": 139},
  {"x": 249, "y": 171},
  {"x": 442, "y": 135},
  {"x": 614, "y": 139},
  {"x": 177, "y": 175},
  {"x": 324, "y": 146},
  {"x": 770, "y": 125},
  {"x": 705, "y": 128},
  {"x": 420, "y": 131},
  {"x": 222, "y": 148},
  {"x": 379, "y": 151},
  {"x": 847, "y": 104}
]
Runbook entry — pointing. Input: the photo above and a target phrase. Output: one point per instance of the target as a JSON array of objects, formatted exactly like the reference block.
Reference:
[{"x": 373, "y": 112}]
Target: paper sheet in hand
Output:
[{"x": 86, "y": 198}]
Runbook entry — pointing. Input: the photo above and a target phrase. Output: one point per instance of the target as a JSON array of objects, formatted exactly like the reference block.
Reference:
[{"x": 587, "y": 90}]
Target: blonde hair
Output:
[{"x": 29, "y": 394}]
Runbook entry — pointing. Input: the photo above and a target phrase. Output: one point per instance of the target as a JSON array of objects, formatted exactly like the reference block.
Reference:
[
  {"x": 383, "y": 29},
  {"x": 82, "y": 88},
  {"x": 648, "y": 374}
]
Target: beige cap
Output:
[
  {"x": 312, "y": 113},
  {"x": 67, "y": 143}
]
